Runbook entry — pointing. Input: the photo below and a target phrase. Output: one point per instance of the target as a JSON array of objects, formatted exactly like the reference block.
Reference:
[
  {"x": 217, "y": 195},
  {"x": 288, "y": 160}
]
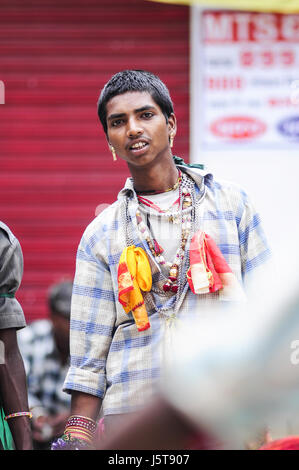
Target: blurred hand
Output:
[
  {"x": 45, "y": 428},
  {"x": 58, "y": 423}
]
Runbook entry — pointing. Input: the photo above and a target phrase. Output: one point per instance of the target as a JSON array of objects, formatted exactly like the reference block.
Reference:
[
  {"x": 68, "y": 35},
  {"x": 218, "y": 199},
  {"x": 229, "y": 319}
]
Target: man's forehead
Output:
[{"x": 130, "y": 101}]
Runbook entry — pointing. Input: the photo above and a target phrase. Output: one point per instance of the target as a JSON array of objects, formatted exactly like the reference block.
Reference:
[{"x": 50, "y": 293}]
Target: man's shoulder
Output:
[
  {"x": 6, "y": 233},
  {"x": 7, "y": 239},
  {"x": 227, "y": 186},
  {"x": 226, "y": 189},
  {"x": 106, "y": 220},
  {"x": 103, "y": 235},
  {"x": 213, "y": 183}
]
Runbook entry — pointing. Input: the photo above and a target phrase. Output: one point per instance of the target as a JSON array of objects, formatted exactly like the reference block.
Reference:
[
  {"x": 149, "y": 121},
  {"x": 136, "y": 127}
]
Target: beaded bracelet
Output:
[
  {"x": 87, "y": 423},
  {"x": 81, "y": 427},
  {"x": 78, "y": 434},
  {"x": 19, "y": 413}
]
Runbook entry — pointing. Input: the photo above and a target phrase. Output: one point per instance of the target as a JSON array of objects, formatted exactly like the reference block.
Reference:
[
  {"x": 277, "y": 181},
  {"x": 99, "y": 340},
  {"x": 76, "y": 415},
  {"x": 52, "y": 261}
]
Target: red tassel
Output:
[{"x": 158, "y": 248}]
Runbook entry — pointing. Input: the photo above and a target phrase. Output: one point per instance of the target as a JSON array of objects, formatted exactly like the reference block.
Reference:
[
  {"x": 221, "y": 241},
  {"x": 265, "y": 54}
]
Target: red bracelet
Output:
[{"x": 81, "y": 427}]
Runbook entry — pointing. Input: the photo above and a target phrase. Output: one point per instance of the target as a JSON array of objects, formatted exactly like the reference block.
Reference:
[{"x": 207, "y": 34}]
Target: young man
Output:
[{"x": 142, "y": 263}]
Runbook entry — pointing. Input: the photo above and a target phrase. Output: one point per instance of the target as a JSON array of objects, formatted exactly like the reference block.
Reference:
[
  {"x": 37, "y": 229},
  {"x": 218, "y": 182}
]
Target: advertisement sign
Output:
[{"x": 248, "y": 80}]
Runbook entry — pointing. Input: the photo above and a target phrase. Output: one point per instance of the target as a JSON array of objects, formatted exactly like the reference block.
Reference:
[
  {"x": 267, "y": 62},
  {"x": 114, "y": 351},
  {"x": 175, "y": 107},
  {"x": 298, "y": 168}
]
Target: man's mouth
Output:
[
  {"x": 138, "y": 145},
  {"x": 138, "y": 148}
]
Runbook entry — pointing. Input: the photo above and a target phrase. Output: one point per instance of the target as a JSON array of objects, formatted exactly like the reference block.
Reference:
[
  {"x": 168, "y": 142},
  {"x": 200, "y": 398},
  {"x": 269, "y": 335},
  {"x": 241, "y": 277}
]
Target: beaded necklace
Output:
[
  {"x": 130, "y": 239},
  {"x": 152, "y": 205},
  {"x": 172, "y": 282}
]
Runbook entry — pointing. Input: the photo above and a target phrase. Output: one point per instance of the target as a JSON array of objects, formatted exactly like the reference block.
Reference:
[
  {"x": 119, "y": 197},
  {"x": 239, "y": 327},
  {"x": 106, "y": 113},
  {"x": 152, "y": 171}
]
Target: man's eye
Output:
[
  {"x": 147, "y": 115},
  {"x": 116, "y": 123}
]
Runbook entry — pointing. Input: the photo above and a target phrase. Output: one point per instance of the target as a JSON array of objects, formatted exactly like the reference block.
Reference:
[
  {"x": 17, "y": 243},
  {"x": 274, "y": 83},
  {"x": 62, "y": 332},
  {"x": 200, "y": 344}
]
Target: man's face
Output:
[
  {"x": 61, "y": 329},
  {"x": 137, "y": 128}
]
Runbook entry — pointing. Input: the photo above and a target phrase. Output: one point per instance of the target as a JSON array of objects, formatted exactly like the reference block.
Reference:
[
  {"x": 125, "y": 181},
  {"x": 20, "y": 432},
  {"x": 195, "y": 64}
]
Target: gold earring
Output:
[
  {"x": 171, "y": 139},
  {"x": 113, "y": 153}
]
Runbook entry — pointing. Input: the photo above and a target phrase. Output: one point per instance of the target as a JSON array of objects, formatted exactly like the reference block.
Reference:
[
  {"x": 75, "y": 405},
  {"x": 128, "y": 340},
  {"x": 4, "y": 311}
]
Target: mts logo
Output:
[{"x": 2, "y": 92}]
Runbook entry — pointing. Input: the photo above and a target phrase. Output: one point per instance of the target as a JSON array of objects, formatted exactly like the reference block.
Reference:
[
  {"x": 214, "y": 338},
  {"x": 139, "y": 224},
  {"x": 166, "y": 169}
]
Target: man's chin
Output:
[{"x": 142, "y": 161}]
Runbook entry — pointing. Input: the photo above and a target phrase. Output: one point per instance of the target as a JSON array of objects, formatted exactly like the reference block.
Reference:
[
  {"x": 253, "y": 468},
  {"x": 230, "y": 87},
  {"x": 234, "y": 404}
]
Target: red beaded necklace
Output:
[{"x": 154, "y": 206}]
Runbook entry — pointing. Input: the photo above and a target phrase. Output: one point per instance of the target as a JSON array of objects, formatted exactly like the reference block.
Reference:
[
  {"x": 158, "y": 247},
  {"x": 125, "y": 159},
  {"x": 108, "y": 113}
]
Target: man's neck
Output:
[{"x": 160, "y": 177}]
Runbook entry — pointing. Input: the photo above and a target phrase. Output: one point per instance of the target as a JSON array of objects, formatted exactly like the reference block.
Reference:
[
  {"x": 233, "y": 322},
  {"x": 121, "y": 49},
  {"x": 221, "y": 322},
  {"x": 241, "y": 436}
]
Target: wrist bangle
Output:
[
  {"x": 81, "y": 427},
  {"x": 83, "y": 418},
  {"x": 19, "y": 413}
]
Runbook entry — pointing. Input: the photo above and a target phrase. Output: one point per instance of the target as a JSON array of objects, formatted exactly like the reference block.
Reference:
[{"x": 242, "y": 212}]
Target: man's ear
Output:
[{"x": 172, "y": 124}]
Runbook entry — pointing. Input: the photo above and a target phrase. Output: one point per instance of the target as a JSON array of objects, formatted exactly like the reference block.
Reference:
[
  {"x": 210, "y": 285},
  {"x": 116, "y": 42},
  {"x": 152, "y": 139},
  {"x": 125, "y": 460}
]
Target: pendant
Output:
[{"x": 174, "y": 219}]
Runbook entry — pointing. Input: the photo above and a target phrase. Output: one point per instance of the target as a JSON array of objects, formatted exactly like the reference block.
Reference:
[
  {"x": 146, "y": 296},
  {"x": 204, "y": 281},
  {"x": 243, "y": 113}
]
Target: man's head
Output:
[
  {"x": 134, "y": 81},
  {"x": 137, "y": 115}
]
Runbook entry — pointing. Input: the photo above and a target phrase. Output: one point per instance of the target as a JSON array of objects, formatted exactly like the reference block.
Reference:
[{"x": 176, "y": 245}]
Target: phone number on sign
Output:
[{"x": 267, "y": 58}]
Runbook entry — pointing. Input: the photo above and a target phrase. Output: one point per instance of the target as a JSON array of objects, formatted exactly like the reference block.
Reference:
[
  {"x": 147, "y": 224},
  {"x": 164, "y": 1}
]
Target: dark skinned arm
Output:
[
  {"x": 13, "y": 389},
  {"x": 86, "y": 405}
]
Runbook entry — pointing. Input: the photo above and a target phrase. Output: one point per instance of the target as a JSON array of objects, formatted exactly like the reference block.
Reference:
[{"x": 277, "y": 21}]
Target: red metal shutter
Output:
[{"x": 55, "y": 56}]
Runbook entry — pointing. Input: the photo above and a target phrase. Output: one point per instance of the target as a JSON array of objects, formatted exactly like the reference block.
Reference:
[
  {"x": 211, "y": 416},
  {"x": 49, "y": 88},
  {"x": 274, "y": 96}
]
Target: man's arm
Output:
[
  {"x": 93, "y": 317},
  {"x": 254, "y": 249},
  {"x": 14, "y": 389}
]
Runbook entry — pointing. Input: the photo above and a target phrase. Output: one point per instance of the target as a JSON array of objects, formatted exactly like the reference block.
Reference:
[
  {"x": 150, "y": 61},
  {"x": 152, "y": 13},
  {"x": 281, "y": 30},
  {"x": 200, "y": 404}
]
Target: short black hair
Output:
[{"x": 134, "y": 80}]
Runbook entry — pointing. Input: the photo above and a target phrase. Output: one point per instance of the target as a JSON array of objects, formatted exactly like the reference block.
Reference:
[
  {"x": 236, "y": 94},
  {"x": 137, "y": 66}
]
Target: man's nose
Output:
[{"x": 134, "y": 129}]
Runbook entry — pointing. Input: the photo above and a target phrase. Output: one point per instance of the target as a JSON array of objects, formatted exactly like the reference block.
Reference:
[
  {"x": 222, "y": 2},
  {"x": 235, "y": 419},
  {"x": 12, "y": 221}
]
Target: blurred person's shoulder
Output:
[
  {"x": 7, "y": 238},
  {"x": 6, "y": 233}
]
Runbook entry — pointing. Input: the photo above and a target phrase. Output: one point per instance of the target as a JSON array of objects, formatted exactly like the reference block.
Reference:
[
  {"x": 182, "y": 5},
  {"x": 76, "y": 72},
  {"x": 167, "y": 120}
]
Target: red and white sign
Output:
[
  {"x": 238, "y": 127},
  {"x": 249, "y": 78},
  {"x": 249, "y": 27}
]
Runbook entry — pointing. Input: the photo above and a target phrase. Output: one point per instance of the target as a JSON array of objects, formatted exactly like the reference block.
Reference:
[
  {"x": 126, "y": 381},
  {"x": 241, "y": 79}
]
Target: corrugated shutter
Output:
[{"x": 55, "y": 55}]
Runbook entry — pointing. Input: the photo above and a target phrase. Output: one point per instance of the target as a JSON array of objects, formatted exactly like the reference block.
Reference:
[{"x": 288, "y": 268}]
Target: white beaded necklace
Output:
[{"x": 156, "y": 250}]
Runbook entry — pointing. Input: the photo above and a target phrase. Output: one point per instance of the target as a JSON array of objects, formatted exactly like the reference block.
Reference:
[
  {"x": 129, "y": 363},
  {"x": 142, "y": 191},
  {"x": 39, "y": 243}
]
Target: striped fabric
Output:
[
  {"x": 44, "y": 370},
  {"x": 109, "y": 357}
]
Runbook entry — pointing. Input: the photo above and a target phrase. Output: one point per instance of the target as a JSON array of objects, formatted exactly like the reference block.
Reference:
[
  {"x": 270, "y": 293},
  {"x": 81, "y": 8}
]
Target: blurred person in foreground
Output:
[
  {"x": 174, "y": 242},
  {"x": 230, "y": 382},
  {"x": 15, "y": 432},
  {"x": 44, "y": 345}
]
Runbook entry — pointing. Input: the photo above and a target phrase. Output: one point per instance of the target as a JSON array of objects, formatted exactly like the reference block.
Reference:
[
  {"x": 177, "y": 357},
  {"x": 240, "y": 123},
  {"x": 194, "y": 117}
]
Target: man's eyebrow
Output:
[
  {"x": 116, "y": 115},
  {"x": 144, "y": 108},
  {"x": 138, "y": 110}
]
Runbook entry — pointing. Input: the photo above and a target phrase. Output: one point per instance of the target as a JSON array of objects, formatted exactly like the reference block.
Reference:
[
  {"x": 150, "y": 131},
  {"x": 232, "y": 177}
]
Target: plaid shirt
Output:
[
  {"x": 44, "y": 371},
  {"x": 109, "y": 357}
]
